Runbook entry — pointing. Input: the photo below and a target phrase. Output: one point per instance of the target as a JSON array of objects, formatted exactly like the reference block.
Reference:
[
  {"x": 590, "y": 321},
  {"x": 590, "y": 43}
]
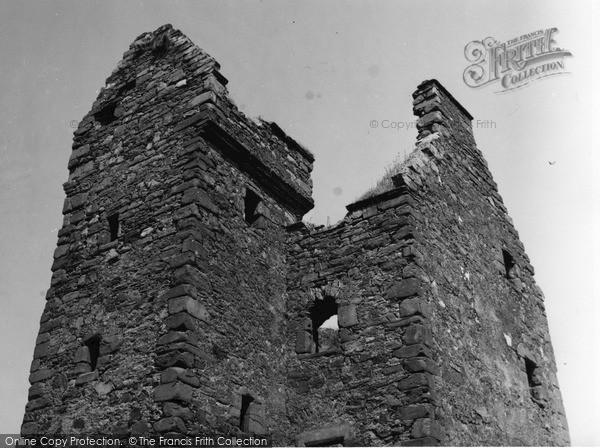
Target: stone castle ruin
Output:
[{"x": 188, "y": 297}]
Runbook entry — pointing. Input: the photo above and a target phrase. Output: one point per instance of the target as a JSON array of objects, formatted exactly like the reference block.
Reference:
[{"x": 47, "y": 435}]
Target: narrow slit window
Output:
[
  {"x": 244, "y": 412},
  {"x": 532, "y": 377},
  {"x": 93, "y": 345},
  {"x": 324, "y": 325},
  {"x": 251, "y": 202},
  {"x": 509, "y": 264},
  {"x": 113, "y": 225}
]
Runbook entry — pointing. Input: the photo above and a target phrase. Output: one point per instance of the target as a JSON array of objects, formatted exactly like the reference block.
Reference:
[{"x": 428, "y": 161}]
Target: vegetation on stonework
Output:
[{"x": 384, "y": 183}]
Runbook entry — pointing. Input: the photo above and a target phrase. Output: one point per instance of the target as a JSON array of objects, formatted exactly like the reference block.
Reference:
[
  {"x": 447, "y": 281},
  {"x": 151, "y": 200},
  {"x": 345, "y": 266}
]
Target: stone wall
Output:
[
  {"x": 187, "y": 296},
  {"x": 449, "y": 341},
  {"x": 168, "y": 289}
]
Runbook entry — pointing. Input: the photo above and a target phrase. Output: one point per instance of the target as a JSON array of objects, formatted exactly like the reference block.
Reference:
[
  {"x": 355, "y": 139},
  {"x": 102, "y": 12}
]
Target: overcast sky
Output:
[{"x": 323, "y": 72}]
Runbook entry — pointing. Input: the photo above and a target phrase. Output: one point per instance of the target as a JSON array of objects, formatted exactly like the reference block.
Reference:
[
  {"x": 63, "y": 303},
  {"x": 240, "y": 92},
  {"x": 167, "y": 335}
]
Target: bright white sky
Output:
[{"x": 322, "y": 71}]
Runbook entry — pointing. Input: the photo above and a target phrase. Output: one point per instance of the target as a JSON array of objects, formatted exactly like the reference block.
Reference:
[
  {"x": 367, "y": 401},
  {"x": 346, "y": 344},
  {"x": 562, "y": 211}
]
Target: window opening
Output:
[
  {"x": 113, "y": 225},
  {"x": 325, "y": 337},
  {"x": 509, "y": 264},
  {"x": 532, "y": 374},
  {"x": 93, "y": 345},
  {"x": 244, "y": 414},
  {"x": 106, "y": 115},
  {"x": 251, "y": 202}
]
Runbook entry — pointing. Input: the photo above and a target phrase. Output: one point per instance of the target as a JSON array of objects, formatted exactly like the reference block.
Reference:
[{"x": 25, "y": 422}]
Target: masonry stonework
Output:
[{"x": 187, "y": 296}]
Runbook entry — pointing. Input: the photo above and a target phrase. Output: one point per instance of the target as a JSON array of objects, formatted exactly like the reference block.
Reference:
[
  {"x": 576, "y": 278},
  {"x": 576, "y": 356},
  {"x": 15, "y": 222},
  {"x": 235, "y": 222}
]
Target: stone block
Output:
[
  {"x": 186, "y": 212},
  {"x": 180, "y": 290},
  {"x": 427, "y": 427},
  {"x": 82, "y": 367},
  {"x": 415, "y": 411},
  {"x": 524, "y": 352},
  {"x": 405, "y": 232},
  {"x": 70, "y": 296},
  {"x": 176, "y": 410},
  {"x": 255, "y": 425},
  {"x": 189, "y": 305},
  {"x": 430, "y": 119},
  {"x": 41, "y": 338},
  {"x": 347, "y": 316},
  {"x": 173, "y": 374},
  {"x": 324, "y": 436},
  {"x": 418, "y": 334},
  {"x": 103, "y": 388},
  {"x": 170, "y": 424},
  {"x": 416, "y": 380},
  {"x": 422, "y": 365},
  {"x": 30, "y": 429},
  {"x": 190, "y": 275},
  {"x": 173, "y": 391},
  {"x": 110, "y": 344},
  {"x": 395, "y": 202},
  {"x": 140, "y": 427},
  {"x": 41, "y": 350},
  {"x": 193, "y": 245},
  {"x": 203, "y": 98},
  {"x": 173, "y": 336},
  {"x": 425, "y": 441},
  {"x": 199, "y": 197},
  {"x": 35, "y": 391},
  {"x": 539, "y": 395},
  {"x": 412, "y": 351},
  {"x": 61, "y": 251},
  {"x": 40, "y": 375},
  {"x": 82, "y": 355},
  {"x": 181, "y": 322},
  {"x": 170, "y": 375},
  {"x": 182, "y": 259},
  {"x": 175, "y": 359},
  {"x": 417, "y": 305},
  {"x": 346, "y": 335},
  {"x": 86, "y": 378},
  {"x": 392, "y": 369},
  {"x": 78, "y": 200},
  {"x": 304, "y": 342},
  {"x": 189, "y": 121},
  {"x": 37, "y": 403},
  {"x": 403, "y": 289}
]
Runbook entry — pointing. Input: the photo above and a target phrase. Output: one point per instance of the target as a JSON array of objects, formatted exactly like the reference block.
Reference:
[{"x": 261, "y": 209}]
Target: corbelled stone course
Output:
[{"x": 187, "y": 297}]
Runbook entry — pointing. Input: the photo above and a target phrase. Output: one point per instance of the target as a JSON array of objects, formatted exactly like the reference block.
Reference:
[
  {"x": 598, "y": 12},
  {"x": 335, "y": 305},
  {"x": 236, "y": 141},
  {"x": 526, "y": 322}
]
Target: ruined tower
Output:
[{"x": 188, "y": 297}]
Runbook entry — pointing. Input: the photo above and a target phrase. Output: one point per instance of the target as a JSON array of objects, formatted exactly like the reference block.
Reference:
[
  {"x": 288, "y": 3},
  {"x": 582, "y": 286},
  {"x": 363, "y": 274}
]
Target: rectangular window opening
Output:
[
  {"x": 509, "y": 264},
  {"x": 113, "y": 224},
  {"x": 323, "y": 315},
  {"x": 251, "y": 202},
  {"x": 532, "y": 377},
  {"x": 244, "y": 414},
  {"x": 93, "y": 345}
]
